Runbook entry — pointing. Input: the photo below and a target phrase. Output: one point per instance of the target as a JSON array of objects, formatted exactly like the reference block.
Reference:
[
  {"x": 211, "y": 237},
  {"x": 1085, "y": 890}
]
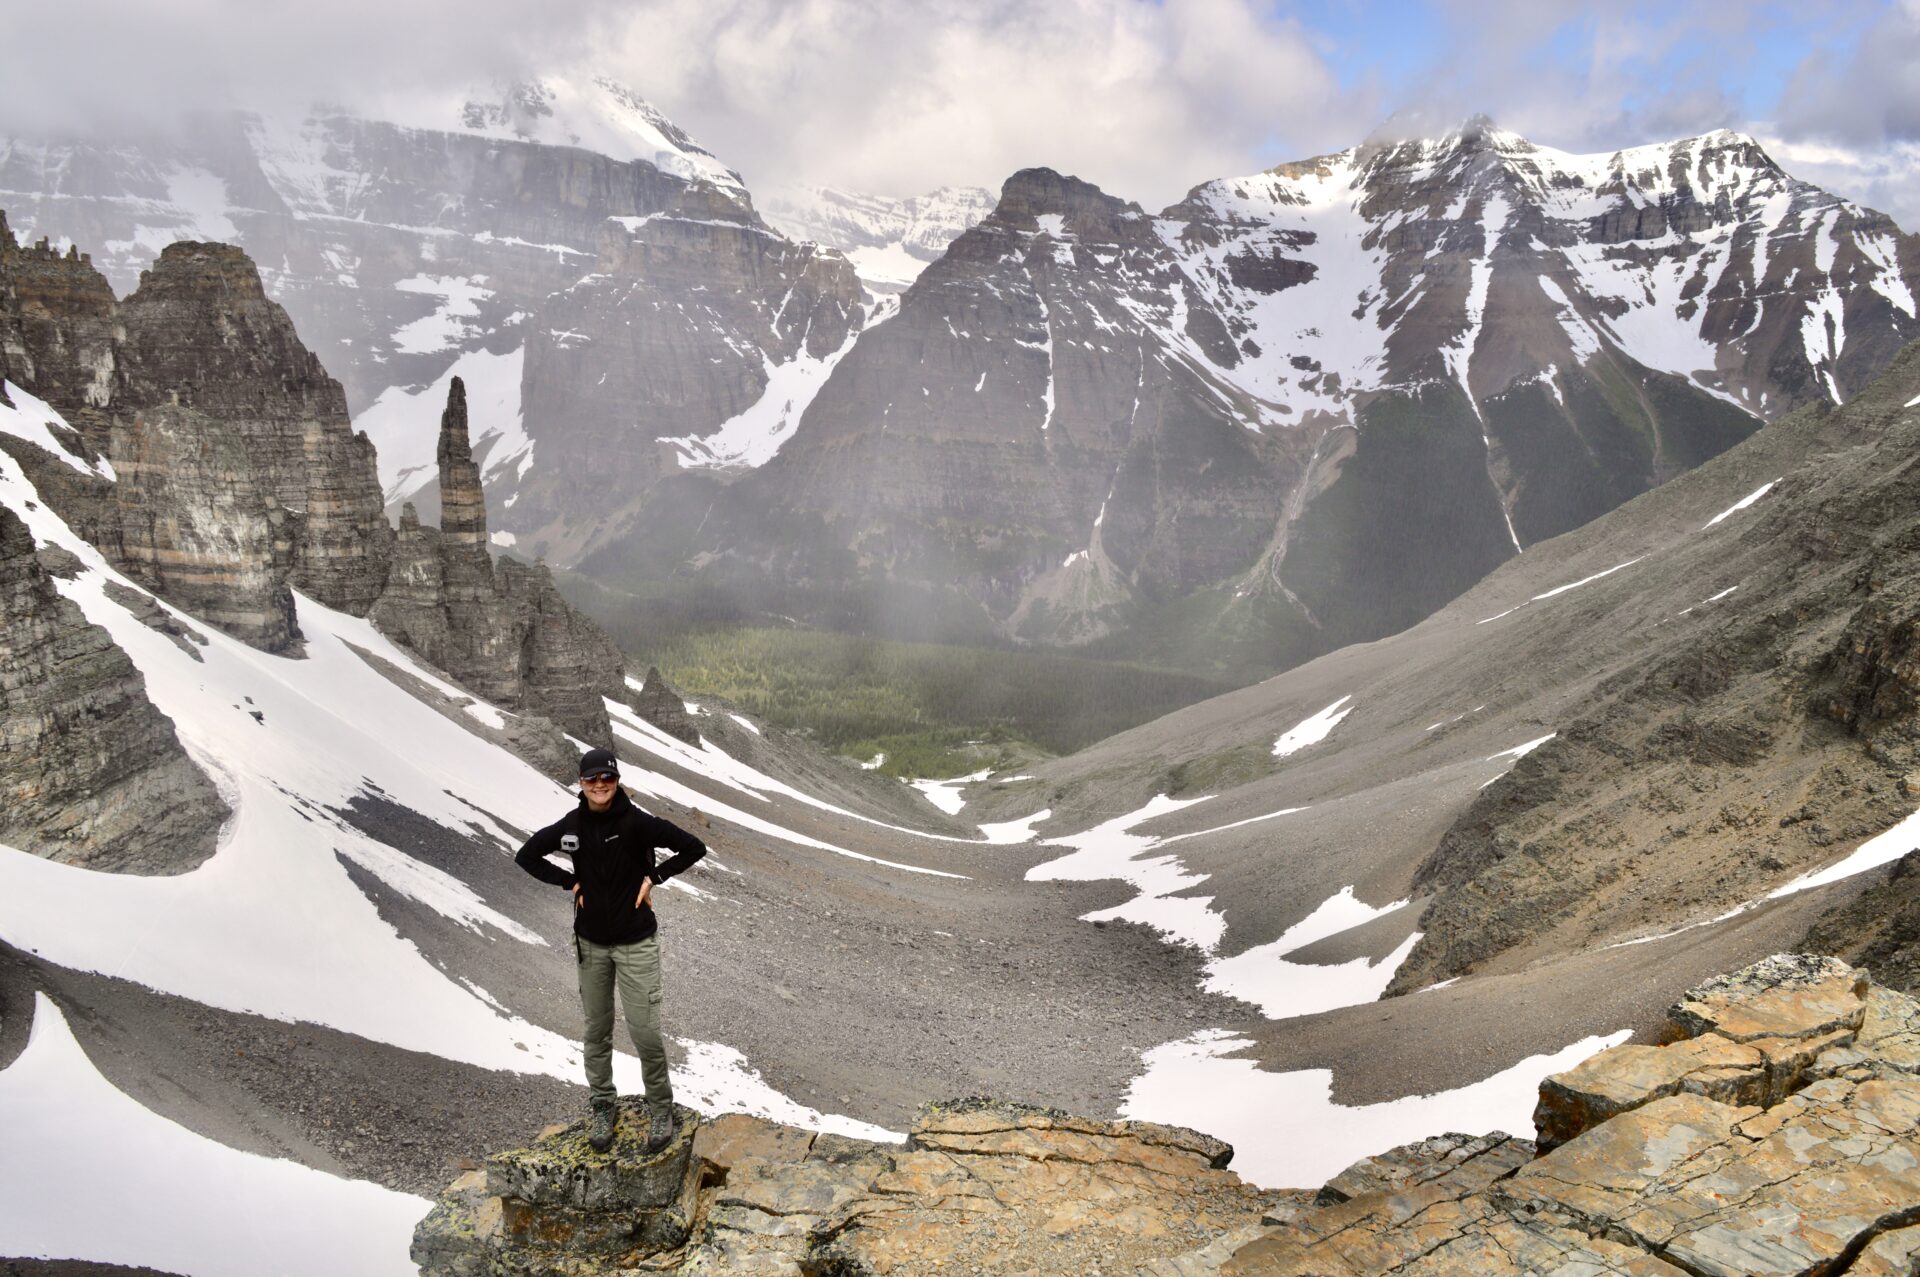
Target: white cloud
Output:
[{"x": 1144, "y": 99}]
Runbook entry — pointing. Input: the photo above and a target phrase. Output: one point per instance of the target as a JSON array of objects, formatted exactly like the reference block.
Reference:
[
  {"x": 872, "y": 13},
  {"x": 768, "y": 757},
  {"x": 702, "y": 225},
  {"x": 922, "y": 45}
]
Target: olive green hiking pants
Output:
[{"x": 635, "y": 968}]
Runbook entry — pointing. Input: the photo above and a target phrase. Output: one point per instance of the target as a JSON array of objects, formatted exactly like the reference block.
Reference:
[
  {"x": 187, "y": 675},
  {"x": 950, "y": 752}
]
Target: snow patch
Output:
[
  {"x": 460, "y": 297},
  {"x": 755, "y": 436},
  {"x": 1876, "y": 851},
  {"x": 1283, "y": 990},
  {"x": 1745, "y": 501},
  {"x": 1522, "y": 750},
  {"x": 1562, "y": 589},
  {"x": 404, "y": 423},
  {"x": 34, "y": 420},
  {"x": 710, "y": 762},
  {"x": 1013, "y": 831},
  {"x": 945, "y": 794},
  {"x": 1313, "y": 730},
  {"x": 1285, "y": 1128},
  {"x": 716, "y": 1078}
]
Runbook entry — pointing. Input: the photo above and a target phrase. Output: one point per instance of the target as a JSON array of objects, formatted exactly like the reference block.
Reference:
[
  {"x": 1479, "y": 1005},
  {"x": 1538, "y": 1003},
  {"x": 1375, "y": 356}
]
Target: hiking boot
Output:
[
  {"x": 662, "y": 1125},
  {"x": 600, "y": 1130}
]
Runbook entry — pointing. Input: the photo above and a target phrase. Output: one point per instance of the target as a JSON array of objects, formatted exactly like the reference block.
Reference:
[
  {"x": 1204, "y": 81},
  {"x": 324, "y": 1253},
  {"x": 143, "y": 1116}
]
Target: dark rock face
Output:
[
  {"x": 92, "y": 773},
  {"x": 501, "y": 630},
  {"x": 686, "y": 316},
  {"x": 1181, "y": 435},
  {"x": 664, "y": 707}
]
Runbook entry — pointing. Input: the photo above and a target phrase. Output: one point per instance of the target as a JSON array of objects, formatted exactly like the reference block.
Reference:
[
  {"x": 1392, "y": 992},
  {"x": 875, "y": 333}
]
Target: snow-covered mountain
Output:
[
  {"x": 359, "y": 987},
  {"x": 1299, "y": 408},
  {"x": 1308, "y": 406},
  {"x": 413, "y": 249},
  {"x": 889, "y": 240}
]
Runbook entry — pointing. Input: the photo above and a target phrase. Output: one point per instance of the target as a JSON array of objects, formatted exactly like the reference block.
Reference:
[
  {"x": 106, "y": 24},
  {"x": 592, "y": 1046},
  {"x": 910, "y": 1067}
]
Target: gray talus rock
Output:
[{"x": 92, "y": 774}]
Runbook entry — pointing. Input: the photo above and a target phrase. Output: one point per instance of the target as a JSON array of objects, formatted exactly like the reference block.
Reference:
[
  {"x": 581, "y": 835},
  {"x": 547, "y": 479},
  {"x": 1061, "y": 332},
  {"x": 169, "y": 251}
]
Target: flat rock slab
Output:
[{"x": 1787, "y": 995}]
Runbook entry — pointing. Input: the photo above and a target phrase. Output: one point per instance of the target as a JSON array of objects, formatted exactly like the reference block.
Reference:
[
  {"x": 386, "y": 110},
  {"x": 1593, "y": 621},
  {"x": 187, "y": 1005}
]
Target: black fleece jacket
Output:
[{"x": 613, "y": 852}]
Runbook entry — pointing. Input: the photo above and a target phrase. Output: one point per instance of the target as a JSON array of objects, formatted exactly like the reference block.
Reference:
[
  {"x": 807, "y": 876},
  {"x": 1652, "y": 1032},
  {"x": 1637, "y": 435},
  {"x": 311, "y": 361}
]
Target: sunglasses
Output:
[{"x": 602, "y": 778}]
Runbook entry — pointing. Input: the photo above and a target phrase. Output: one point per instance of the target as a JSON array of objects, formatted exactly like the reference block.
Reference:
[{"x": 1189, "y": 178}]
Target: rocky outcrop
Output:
[
  {"x": 661, "y": 704},
  {"x": 1777, "y": 1133},
  {"x": 196, "y": 528},
  {"x": 92, "y": 774},
  {"x": 502, "y": 630},
  {"x": 1879, "y": 928},
  {"x": 58, "y": 332},
  {"x": 203, "y": 338},
  {"x": 978, "y": 1187},
  {"x": 235, "y": 476}
]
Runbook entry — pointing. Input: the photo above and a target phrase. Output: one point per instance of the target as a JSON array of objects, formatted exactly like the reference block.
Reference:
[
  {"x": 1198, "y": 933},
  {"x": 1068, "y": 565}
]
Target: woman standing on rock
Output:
[{"x": 613, "y": 845}]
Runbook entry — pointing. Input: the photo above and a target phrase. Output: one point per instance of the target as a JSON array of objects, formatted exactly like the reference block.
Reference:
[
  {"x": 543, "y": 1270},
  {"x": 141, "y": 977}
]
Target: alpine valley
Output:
[{"x": 1568, "y": 506}]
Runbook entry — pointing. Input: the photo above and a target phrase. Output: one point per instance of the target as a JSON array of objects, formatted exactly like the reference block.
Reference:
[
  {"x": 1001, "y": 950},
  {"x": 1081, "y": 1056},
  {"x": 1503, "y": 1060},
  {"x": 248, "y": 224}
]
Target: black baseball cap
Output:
[{"x": 599, "y": 762}]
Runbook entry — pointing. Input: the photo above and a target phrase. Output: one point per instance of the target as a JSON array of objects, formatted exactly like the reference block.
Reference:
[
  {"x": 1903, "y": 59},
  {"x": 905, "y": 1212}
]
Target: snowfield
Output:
[{"x": 89, "y": 1173}]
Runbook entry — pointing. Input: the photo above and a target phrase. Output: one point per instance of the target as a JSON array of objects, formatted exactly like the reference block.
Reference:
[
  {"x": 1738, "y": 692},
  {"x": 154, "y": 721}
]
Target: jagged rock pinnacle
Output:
[{"x": 463, "y": 506}]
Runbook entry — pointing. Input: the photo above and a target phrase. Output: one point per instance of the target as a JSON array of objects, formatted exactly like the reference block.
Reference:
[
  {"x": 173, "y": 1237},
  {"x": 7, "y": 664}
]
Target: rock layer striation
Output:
[{"x": 91, "y": 773}]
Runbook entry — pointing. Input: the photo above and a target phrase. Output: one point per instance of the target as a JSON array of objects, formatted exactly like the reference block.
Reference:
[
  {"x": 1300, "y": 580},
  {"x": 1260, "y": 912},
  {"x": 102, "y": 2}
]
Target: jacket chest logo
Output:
[{"x": 610, "y": 838}]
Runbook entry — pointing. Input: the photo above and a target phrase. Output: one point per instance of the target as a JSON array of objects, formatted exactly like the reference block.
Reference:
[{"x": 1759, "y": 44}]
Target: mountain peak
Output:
[
  {"x": 1421, "y": 125},
  {"x": 1035, "y": 192},
  {"x": 594, "y": 112}
]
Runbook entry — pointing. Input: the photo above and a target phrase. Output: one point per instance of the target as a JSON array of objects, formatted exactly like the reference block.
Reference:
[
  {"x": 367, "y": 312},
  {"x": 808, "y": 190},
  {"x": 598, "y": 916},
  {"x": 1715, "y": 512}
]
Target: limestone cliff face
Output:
[
  {"x": 74, "y": 713},
  {"x": 196, "y": 527},
  {"x": 503, "y": 630},
  {"x": 59, "y": 333},
  {"x": 238, "y": 475},
  {"x": 201, "y": 334},
  {"x": 1776, "y": 1134},
  {"x": 229, "y": 477}
]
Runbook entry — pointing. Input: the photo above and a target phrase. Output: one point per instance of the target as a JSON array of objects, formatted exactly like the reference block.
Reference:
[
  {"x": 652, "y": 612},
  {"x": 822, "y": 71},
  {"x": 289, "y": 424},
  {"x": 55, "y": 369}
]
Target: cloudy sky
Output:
[{"x": 1145, "y": 97}]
